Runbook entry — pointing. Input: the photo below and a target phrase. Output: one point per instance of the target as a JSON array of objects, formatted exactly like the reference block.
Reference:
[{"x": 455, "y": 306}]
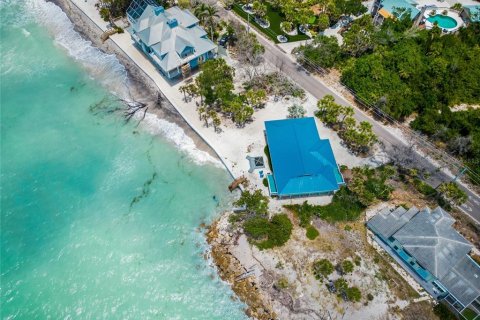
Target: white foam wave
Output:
[
  {"x": 101, "y": 66},
  {"x": 25, "y": 32},
  {"x": 179, "y": 138},
  {"x": 107, "y": 69}
]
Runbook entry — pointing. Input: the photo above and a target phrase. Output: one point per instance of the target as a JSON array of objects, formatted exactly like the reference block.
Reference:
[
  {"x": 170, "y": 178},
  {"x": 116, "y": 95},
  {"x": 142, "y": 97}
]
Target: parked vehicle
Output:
[{"x": 224, "y": 41}]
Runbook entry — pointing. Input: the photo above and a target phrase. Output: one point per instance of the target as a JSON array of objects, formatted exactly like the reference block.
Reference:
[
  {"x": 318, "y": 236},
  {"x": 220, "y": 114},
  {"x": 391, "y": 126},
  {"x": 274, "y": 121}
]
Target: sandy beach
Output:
[{"x": 141, "y": 87}]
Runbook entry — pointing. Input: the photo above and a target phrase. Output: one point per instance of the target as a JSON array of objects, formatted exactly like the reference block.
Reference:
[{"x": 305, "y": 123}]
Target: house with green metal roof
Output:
[
  {"x": 170, "y": 38},
  {"x": 302, "y": 163}
]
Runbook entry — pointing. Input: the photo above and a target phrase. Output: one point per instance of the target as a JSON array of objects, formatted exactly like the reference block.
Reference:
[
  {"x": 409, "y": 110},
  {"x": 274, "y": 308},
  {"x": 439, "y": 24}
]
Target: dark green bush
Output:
[
  {"x": 442, "y": 311},
  {"x": 347, "y": 266},
  {"x": 424, "y": 188},
  {"x": 312, "y": 233},
  {"x": 267, "y": 234},
  {"x": 267, "y": 153},
  {"x": 255, "y": 202},
  {"x": 353, "y": 294},
  {"x": 322, "y": 268}
]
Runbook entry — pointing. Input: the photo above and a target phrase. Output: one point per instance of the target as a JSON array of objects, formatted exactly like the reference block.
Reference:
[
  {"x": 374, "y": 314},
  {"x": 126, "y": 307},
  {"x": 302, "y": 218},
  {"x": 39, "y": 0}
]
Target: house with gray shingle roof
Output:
[
  {"x": 170, "y": 38},
  {"x": 426, "y": 245}
]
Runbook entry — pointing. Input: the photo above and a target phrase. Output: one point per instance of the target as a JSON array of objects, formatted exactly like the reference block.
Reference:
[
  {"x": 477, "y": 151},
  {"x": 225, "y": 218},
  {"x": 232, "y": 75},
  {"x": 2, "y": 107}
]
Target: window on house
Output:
[
  {"x": 412, "y": 263},
  {"x": 450, "y": 299},
  {"x": 395, "y": 247}
]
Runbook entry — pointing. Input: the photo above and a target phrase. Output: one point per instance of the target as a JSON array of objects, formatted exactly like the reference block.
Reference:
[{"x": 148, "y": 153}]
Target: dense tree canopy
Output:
[{"x": 409, "y": 72}]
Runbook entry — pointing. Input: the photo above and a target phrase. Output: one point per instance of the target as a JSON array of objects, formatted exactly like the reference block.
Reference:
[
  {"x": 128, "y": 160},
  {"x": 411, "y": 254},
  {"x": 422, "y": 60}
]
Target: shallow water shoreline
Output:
[
  {"x": 141, "y": 87},
  {"x": 144, "y": 89}
]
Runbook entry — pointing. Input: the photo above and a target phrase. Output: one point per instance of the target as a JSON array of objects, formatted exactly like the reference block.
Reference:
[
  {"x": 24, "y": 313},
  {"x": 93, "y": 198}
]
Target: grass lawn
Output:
[{"x": 275, "y": 18}]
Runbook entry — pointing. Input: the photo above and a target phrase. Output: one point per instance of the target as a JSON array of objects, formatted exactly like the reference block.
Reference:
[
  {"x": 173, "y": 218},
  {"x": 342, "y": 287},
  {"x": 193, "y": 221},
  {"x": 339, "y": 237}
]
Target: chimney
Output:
[
  {"x": 158, "y": 10},
  {"x": 172, "y": 23}
]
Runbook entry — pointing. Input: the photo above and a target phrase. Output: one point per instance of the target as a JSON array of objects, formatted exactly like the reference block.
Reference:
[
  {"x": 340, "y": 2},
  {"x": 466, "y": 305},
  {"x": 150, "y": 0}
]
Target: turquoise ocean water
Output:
[{"x": 99, "y": 220}]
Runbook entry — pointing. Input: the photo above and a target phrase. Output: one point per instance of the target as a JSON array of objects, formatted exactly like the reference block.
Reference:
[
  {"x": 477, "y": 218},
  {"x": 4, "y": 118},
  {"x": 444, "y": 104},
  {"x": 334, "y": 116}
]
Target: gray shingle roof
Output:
[
  {"x": 169, "y": 32},
  {"x": 463, "y": 280},
  {"x": 432, "y": 241},
  {"x": 430, "y": 238},
  {"x": 387, "y": 222}
]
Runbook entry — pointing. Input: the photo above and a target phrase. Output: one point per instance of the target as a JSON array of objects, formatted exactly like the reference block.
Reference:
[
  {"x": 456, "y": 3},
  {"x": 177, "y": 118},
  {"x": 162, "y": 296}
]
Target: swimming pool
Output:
[{"x": 444, "y": 22}]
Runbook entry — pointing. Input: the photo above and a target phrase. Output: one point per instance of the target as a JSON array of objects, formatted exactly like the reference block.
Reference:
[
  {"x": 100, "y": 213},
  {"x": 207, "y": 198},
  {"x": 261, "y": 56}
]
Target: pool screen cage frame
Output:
[{"x": 136, "y": 8}]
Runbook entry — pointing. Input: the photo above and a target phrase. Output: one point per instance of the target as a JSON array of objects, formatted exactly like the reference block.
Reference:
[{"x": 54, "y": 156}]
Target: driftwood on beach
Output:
[
  {"x": 132, "y": 108},
  {"x": 236, "y": 183}
]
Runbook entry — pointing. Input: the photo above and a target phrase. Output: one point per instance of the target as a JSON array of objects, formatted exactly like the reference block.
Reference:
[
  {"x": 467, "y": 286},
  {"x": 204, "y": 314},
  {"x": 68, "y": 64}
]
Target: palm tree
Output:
[
  {"x": 199, "y": 12},
  {"x": 211, "y": 14},
  {"x": 207, "y": 15}
]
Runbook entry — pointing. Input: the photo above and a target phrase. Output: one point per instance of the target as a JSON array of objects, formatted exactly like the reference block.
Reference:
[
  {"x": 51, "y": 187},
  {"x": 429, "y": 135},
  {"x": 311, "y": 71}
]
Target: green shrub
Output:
[
  {"x": 267, "y": 153},
  {"x": 257, "y": 227},
  {"x": 442, "y": 311},
  {"x": 312, "y": 233},
  {"x": 322, "y": 268},
  {"x": 282, "y": 283},
  {"x": 370, "y": 297},
  {"x": 267, "y": 234},
  {"x": 235, "y": 217},
  {"x": 347, "y": 266},
  {"x": 347, "y": 228},
  {"x": 353, "y": 294},
  {"x": 265, "y": 182},
  {"x": 255, "y": 202},
  {"x": 357, "y": 261},
  {"x": 341, "y": 285},
  {"x": 303, "y": 212},
  {"x": 424, "y": 188},
  {"x": 344, "y": 207},
  {"x": 119, "y": 29}
]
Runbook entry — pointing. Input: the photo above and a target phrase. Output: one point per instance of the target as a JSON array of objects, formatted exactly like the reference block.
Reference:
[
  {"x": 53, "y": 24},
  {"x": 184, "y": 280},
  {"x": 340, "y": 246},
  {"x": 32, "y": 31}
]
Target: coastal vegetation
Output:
[
  {"x": 359, "y": 138},
  {"x": 255, "y": 202},
  {"x": 266, "y": 234},
  {"x": 312, "y": 233},
  {"x": 322, "y": 269},
  {"x": 275, "y": 84},
  {"x": 263, "y": 232},
  {"x": 366, "y": 186},
  {"x": 419, "y": 75},
  {"x": 446, "y": 194},
  {"x": 111, "y": 9},
  {"x": 347, "y": 266},
  {"x": 214, "y": 85}
]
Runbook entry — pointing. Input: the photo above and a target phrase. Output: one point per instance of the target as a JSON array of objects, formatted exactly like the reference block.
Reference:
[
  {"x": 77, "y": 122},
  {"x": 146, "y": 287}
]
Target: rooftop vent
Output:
[
  {"x": 172, "y": 23},
  {"x": 158, "y": 10}
]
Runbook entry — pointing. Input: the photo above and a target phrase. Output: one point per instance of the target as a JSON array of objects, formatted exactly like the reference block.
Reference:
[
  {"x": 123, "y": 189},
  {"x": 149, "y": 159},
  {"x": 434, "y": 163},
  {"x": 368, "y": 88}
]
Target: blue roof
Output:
[
  {"x": 302, "y": 162},
  {"x": 393, "y": 5}
]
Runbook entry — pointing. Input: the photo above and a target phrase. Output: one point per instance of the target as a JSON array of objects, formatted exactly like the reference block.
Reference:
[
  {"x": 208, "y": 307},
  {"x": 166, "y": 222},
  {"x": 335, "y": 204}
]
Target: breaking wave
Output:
[
  {"x": 154, "y": 125},
  {"x": 103, "y": 67},
  {"x": 106, "y": 69}
]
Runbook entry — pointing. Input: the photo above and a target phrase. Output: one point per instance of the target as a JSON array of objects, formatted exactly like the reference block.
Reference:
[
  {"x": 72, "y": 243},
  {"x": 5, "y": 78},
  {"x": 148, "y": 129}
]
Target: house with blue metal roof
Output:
[
  {"x": 170, "y": 38},
  {"x": 426, "y": 245},
  {"x": 302, "y": 163}
]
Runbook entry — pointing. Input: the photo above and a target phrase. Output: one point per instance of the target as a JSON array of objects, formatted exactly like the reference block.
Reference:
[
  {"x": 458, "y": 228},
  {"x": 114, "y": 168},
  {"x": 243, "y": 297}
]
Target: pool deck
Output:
[{"x": 451, "y": 13}]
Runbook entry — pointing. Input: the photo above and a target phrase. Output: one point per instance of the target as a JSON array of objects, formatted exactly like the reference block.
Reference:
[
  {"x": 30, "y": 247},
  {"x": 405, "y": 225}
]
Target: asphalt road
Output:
[{"x": 392, "y": 144}]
